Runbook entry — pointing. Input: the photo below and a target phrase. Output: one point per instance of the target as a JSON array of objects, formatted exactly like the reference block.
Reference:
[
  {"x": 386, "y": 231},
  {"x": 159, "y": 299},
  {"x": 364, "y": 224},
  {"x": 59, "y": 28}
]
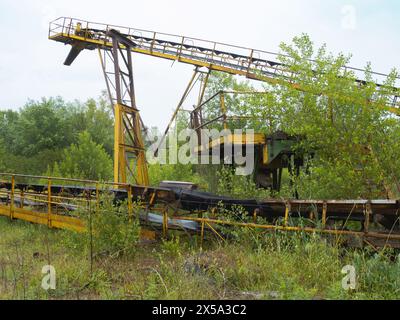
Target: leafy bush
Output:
[
  {"x": 111, "y": 230},
  {"x": 84, "y": 160}
]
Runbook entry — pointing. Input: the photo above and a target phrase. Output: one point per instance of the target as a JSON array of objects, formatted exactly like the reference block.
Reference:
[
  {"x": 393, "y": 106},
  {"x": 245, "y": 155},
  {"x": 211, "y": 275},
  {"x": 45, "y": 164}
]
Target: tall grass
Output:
[{"x": 251, "y": 265}]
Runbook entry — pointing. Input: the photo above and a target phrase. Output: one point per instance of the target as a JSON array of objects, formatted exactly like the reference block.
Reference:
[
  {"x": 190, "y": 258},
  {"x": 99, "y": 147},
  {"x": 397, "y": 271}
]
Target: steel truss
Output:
[
  {"x": 251, "y": 63},
  {"x": 129, "y": 152}
]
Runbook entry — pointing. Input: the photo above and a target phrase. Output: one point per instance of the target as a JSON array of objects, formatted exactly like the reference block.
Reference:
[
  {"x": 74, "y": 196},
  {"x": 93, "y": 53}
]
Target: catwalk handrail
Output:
[{"x": 254, "y": 64}]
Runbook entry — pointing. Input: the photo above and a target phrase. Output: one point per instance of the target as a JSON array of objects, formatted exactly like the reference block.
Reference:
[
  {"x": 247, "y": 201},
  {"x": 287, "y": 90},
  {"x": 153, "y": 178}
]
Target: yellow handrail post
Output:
[
  {"x": 324, "y": 210},
  {"x": 213, "y": 213},
  {"x": 368, "y": 212},
  {"x": 12, "y": 197},
  {"x": 202, "y": 234},
  {"x": 49, "y": 203},
  {"x": 223, "y": 109},
  {"x": 165, "y": 223},
  {"x": 255, "y": 215},
  {"x": 97, "y": 197},
  {"x": 287, "y": 210}
]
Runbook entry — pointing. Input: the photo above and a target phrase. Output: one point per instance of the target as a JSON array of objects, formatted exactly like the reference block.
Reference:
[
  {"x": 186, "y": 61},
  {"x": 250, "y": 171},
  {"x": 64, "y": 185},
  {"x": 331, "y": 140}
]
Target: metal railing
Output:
[
  {"x": 256, "y": 64},
  {"x": 38, "y": 199},
  {"x": 225, "y": 114},
  {"x": 41, "y": 200}
]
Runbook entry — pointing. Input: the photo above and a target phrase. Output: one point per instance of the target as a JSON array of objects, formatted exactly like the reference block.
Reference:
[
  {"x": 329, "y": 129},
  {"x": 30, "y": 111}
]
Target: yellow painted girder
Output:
[
  {"x": 57, "y": 221},
  {"x": 241, "y": 139},
  {"x": 66, "y": 38}
]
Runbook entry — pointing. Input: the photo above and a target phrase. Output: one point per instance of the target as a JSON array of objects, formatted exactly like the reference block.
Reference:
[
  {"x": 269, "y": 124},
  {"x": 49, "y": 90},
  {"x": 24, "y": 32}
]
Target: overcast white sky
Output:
[{"x": 31, "y": 66}]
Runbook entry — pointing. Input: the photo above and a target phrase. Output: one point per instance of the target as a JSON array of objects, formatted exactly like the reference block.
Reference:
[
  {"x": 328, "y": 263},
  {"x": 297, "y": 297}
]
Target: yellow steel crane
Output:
[{"x": 115, "y": 45}]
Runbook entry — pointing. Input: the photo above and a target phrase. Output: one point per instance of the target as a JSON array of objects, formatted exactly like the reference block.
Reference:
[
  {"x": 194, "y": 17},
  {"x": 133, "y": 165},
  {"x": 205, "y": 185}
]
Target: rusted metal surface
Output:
[
  {"x": 40, "y": 200},
  {"x": 251, "y": 63}
]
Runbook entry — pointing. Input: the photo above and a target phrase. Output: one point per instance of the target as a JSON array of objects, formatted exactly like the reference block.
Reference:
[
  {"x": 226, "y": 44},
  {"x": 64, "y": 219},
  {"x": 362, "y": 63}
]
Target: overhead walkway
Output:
[{"x": 251, "y": 63}]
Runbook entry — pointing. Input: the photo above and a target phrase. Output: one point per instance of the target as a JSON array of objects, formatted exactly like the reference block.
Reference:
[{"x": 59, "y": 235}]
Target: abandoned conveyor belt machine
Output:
[
  {"x": 180, "y": 207},
  {"x": 61, "y": 202}
]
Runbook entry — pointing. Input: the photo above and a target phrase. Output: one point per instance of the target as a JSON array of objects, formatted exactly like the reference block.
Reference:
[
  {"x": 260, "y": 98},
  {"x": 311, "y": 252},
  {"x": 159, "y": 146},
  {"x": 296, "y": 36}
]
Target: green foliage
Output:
[
  {"x": 34, "y": 137},
  {"x": 113, "y": 230},
  {"x": 96, "y": 118},
  {"x": 174, "y": 172},
  {"x": 8, "y": 121},
  {"x": 274, "y": 265},
  {"x": 355, "y": 142},
  {"x": 357, "y": 155},
  {"x": 377, "y": 274},
  {"x": 234, "y": 185},
  {"x": 344, "y": 131},
  {"x": 85, "y": 160},
  {"x": 236, "y": 104},
  {"x": 172, "y": 246},
  {"x": 352, "y": 137},
  {"x": 3, "y": 157},
  {"x": 40, "y": 126}
]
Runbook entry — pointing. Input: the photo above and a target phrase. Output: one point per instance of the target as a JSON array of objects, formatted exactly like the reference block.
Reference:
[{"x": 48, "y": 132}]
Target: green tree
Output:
[
  {"x": 8, "y": 121},
  {"x": 34, "y": 137},
  {"x": 236, "y": 104},
  {"x": 40, "y": 126},
  {"x": 85, "y": 160},
  {"x": 354, "y": 139},
  {"x": 174, "y": 172},
  {"x": 338, "y": 121},
  {"x": 3, "y": 157},
  {"x": 95, "y": 117}
]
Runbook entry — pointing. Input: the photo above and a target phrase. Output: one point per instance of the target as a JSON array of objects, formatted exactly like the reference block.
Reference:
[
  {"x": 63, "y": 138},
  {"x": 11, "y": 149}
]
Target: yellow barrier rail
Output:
[
  {"x": 40, "y": 200},
  {"x": 21, "y": 201}
]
